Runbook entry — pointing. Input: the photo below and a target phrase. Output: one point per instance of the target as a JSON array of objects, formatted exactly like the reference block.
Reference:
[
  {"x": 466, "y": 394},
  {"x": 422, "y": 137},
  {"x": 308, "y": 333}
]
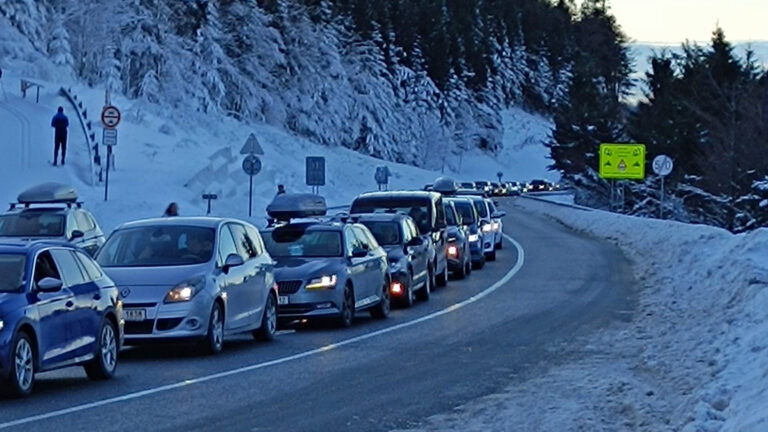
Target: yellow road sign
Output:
[{"x": 622, "y": 161}]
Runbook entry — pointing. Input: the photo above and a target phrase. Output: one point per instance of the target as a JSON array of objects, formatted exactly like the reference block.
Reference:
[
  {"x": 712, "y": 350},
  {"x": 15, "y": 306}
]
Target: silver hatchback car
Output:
[{"x": 192, "y": 278}]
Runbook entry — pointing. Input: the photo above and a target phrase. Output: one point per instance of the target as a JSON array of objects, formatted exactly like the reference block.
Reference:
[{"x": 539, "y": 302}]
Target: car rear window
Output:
[
  {"x": 466, "y": 211},
  {"x": 386, "y": 233},
  {"x": 416, "y": 208},
  {"x": 285, "y": 242},
  {"x": 482, "y": 210},
  {"x": 12, "y": 269},
  {"x": 156, "y": 246},
  {"x": 32, "y": 224}
]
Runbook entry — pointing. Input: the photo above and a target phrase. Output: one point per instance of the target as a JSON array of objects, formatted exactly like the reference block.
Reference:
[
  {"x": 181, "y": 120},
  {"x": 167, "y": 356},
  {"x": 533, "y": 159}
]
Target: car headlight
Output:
[
  {"x": 322, "y": 282},
  {"x": 496, "y": 226},
  {"x": 186, "y": 290},
  {"x": 474, "y": 238},
  {"x": 2, "y": 324},
  {"x": 487, "y": 228}
]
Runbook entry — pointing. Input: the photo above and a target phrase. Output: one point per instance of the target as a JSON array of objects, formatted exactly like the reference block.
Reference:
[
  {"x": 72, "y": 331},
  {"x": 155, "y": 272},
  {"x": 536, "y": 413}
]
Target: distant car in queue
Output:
[
  {"x": 407, "y": 253},
  {"x": 51, "y": 211},
  {"x": 469, "y": 218},
  {"x": 538, "y": 186},
  {"x": 326, "y": 269},
  {"x": 57, "y": 309},
  {"x": 458, "y": 250},
  {"x": 192, "y": 278},
  {"x": 426, "y": 209}
]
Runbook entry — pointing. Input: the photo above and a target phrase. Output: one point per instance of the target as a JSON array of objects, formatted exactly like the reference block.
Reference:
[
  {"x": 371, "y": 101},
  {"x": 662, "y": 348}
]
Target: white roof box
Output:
[
  {"x": 445, "y": 185},
  {"x": 48, "y": 193},
  {"x": 295, "y": 206}
]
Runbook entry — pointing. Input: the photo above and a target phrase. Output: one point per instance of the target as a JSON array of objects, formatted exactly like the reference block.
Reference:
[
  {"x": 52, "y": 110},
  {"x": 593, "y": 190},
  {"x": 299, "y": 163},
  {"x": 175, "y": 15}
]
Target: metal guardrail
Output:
[
  {"x": 88, "y": 132},
  {"x": 561, "y": 204}
]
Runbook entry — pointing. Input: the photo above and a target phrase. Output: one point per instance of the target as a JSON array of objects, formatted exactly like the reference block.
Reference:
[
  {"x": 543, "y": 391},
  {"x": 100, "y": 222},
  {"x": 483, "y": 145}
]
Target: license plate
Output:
[
  {"x": 282, "y": 300},
  {"x": 134, "y": 314}
]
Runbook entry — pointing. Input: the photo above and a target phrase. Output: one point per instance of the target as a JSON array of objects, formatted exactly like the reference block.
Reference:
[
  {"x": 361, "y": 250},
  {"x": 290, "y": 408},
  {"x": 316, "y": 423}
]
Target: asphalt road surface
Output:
[{"x": 474, "y": 337}]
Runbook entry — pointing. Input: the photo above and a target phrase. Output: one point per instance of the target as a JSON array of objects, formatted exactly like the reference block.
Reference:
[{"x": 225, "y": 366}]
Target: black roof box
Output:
[
  {"x": 48, "y": 193},
  {"x": 445, "y": 185},
  {"x": 295, "y": 206}
]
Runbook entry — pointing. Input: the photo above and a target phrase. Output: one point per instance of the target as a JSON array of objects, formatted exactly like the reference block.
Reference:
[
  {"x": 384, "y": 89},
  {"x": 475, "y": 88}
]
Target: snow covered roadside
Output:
[{"x": 693, "y": 358}]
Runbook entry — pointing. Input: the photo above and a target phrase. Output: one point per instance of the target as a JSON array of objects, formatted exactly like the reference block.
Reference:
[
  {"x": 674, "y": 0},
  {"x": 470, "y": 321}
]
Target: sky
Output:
[{"x": 675, "y": 21}]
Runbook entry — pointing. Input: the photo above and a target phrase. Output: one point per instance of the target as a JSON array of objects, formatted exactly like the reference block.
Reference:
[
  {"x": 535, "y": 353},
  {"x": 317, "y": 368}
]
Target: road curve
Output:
[{"x": 473, "y": 338}]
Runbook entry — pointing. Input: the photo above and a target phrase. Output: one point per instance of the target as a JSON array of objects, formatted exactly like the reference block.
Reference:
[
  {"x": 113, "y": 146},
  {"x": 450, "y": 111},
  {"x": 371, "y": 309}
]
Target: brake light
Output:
[
  {"x": 453, "y": 251},
  {"x": 397, "y": 288}
]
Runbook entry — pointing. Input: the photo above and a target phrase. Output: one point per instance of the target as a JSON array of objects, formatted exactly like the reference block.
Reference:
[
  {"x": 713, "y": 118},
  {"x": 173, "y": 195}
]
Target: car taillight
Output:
[{"x": 453, "y": 251}]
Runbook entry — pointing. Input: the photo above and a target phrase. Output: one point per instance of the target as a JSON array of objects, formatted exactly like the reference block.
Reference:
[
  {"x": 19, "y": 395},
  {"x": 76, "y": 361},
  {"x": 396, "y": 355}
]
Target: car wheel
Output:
[
  {"x": 268, "y": 321},
  {"x": 499, "y": 245},
  {"x": 347, "y": 313},
  {"x": 490, "y": 256},
  {"x": 442, "y": 279},
  {"x": 468, "y": 266},
  {"x": 22, "y": 368},
  {"x": 461, "y": 273},
  {"x": 381, "y": 310},
  {"x": 103, "y": 365},
  {"x": 410, "y": 296},
  {"x": 426, "y": 290},
  {"x": 214, "y": 339},
  {"x": 479, "y": 264}
]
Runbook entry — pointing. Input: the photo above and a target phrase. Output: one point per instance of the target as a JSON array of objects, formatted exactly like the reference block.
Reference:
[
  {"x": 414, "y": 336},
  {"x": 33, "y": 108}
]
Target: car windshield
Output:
[
  {"x": 32, "y": 224},
  {"x": 415, "y": 208},
  {"x": 466, "y": 212},
  {"x": 449, "y": 216},
  {"x": 156, "y": 246},
  {"x": 482, "y": 211},
  {"x": 386, "y": 233},
  {"x": 12, "y": 269},
  {"x": 284, "y": 242}
]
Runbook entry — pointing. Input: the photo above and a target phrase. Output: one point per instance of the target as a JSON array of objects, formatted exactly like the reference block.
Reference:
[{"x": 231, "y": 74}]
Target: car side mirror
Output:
[
  {"x": 232, "y": 261},
  {"x": 359, "y": 252},
  {"x": 49, "y": 285},
  {"x": 76, "y": 234},
  {"x": 415, "y": 242},
  {"x": 499, "y": 214}
]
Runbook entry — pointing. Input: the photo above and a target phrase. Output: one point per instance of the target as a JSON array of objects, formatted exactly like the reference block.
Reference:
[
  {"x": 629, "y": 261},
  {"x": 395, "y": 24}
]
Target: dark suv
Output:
[
  {"x": 426, "y": 209},
  {"x": 52, "y": 211}
]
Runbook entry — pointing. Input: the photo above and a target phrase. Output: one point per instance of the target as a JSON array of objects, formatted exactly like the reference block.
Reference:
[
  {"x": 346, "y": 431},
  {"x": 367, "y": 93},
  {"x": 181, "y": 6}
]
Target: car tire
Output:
[
  {"x": 214, "y": 339},
  {"x": 383, "y": 307},
  {"x": 21, "y": 379},
  {"x": 266, "y": 332},
  {"x": 347, "y": 313},
  {"x": 468, "y": 266},
  {"x": 410, "y": 296},
  {"x": 491, "y": 256},
  {"x": 442, "y": 279},
  {"x": 104, "y": 363},
  {"x": 499, "y": 245},
  {"x": 461, "y": 273},
  {"x": 426, "y": 291}
]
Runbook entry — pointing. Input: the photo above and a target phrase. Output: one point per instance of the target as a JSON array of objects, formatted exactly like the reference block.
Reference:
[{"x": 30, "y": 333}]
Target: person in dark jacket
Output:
[
  {"x": 60, "y": 123},
  {"x": 172, "y": 210}
]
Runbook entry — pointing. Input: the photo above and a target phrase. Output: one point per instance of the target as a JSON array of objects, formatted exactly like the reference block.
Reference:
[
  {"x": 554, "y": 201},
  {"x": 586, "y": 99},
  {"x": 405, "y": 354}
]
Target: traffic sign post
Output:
[
  {"x": 252, "y": 146},
  {"x": 621, "y": 162},
  {"x": 499, "y": 175},
  {"x": 251, "y": 166},
  {"x": 110, "y": 118},
  {"x": 662, "y": 166},
  {"x": 315, "y": 172},
  {"x": 209, "y": 197}
]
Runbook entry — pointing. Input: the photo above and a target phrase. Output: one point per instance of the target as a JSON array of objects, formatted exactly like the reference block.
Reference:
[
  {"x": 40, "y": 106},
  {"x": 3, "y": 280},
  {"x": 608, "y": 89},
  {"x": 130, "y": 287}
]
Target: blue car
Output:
[{"x": 57, "y": 309}]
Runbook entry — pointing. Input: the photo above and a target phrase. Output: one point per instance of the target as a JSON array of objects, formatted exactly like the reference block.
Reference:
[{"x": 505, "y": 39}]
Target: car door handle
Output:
[{"x": 70, "y": 304}]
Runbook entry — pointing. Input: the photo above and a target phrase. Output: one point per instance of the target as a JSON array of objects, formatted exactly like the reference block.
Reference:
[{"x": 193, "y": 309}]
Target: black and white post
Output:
[{"x": 662, "y": 166}]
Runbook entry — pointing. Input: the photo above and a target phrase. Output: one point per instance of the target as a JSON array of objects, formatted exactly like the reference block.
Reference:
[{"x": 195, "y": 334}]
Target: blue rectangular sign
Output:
[{"x": 315, "y": 171}]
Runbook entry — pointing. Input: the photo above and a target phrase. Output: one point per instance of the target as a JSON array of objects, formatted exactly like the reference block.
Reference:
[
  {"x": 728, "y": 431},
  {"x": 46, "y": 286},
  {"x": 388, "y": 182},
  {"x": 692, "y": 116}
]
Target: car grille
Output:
[
  {"x": 164, "y": 324},
  {"x": 295, "y": 309},
  {"x": 138, "y": 305},
  {"x": 288, "y": 287},
  {"x": 139, "y": 327}
]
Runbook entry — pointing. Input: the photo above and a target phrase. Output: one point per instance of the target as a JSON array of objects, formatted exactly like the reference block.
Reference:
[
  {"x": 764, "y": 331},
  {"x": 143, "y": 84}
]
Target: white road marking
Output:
[{"x": 136, "y": 395}]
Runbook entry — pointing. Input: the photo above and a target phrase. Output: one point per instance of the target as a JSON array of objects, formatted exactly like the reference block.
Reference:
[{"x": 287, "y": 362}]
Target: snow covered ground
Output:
[{"x": 694, "y": 357}]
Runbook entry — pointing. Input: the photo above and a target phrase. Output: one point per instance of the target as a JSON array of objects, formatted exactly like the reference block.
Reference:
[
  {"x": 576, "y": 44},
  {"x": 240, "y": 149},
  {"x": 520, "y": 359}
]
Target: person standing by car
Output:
[
  {"x": 172, "y": 210},
  {"x": 280, "y": 190},
  {"x": 59, "y": 123}
]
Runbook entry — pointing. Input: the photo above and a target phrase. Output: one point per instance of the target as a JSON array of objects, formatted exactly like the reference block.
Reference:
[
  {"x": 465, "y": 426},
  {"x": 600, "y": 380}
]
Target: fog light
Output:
[
  {"x": 326, "y": 305},
  {"x": 453, "y": 251},
  {"x": 193, "y": 323},
  {"x": 397, "y": 288}
]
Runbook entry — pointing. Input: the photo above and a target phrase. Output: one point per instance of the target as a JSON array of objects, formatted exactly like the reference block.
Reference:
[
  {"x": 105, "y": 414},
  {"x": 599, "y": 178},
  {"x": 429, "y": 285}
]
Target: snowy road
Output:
[{"x": 518, "y": 318}]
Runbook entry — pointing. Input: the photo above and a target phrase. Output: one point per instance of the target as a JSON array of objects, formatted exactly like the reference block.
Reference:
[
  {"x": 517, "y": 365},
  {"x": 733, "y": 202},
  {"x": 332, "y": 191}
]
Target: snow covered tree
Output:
[{"x": 58, "y": 48}]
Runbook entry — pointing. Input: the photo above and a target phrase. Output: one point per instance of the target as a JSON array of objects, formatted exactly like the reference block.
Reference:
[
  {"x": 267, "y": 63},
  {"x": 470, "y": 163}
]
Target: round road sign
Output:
[
  {"x": 662, "y": 165},
  {"x": 110, "y": 117},
  {"x": 252, "y": 165}
]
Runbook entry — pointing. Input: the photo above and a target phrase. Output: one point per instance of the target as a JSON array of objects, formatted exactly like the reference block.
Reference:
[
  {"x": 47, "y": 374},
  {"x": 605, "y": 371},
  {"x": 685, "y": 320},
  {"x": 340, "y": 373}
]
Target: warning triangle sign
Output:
[{"x": 252, "y": 146}]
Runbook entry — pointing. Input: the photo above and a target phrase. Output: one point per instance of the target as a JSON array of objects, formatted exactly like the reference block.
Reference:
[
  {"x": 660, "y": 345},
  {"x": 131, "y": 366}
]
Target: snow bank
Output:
[{"x": 693, "y": 358}]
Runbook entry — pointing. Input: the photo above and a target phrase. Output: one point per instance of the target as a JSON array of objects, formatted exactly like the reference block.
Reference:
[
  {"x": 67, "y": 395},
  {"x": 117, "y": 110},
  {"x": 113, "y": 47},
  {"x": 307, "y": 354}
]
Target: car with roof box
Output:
[
  {"x": 52, "y": 211},
  {"x": 426, "y": 209},
  {"x": 326, "y": 268},
  {"x": 57, "y": 309},
  {"x": 195, "y": 279},
  {"x": 407, "y": 253}
]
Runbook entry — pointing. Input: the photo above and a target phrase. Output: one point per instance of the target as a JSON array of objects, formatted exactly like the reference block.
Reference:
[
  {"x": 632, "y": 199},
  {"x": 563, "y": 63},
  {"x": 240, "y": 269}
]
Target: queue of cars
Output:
[
  {"x": 510, "y": 188},
  {"x": 197, "y": 280}
]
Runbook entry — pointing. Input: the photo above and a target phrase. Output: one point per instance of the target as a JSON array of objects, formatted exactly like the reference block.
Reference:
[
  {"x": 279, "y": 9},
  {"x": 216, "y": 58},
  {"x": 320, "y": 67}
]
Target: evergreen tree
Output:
[{"x": 59, "y": 48}]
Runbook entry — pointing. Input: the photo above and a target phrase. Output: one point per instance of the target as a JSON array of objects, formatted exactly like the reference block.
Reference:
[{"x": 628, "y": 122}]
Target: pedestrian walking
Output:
[
  {"x": 59, "y": 123},
  {"x": 172, "y": 210}
]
